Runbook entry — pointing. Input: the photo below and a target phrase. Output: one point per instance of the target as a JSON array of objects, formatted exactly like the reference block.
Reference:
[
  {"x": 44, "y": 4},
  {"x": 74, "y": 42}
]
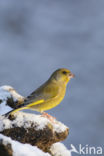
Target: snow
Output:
[
  {"x": 59, "y": 127},
  {"x": 12, "y": 91},
  {"x": 23, "y": 120},
  {"x": 26, "y": 119},
  {"x": 5, "y": 93},
  {"x": 4, "y": 108},
  {"x": 58, "y": 149},
  {"x": 20, "y": 149}
]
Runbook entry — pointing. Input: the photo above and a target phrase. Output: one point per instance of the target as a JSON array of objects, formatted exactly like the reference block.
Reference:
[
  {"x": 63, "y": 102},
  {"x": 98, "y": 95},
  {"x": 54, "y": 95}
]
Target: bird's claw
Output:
[{"x": 51, "y": 118}]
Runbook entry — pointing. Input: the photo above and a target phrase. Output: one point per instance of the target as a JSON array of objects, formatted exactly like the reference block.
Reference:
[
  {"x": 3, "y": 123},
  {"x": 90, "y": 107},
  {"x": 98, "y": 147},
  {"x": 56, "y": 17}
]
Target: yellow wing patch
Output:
[
  {"x": 35, "y": 103},
  {"x": 27, "y": 106}
]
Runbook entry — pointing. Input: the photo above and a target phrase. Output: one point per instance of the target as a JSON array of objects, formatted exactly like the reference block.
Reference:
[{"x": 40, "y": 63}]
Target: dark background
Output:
[{"x": 39, "y": 36}]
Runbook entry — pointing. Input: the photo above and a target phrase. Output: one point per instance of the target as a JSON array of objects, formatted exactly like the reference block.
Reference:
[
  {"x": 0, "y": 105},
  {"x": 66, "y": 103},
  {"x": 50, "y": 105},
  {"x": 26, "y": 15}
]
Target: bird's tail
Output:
[
  {"x": 25, "y": 105},
  {"x": 14, "y": 111}
]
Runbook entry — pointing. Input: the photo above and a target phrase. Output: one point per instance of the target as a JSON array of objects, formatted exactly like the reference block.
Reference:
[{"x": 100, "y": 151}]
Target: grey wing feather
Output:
[
  {"x": 40, "y": 94},
  {"x": 35, "y": 96}
]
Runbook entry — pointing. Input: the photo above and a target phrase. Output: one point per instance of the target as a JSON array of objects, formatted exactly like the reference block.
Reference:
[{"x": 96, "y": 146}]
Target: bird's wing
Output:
[{"x": 41, "y": 95}]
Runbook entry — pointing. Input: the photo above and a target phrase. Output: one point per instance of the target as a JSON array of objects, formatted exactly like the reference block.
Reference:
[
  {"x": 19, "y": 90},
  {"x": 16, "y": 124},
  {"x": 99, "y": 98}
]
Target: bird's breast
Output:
[{"x": 55, "y": 101}]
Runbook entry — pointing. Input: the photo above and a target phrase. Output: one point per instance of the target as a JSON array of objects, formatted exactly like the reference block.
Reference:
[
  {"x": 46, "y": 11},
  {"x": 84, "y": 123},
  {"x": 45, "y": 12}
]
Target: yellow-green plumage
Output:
[
  {"x": 50, "y": 94},
  {"x": 53, "y": 95}
]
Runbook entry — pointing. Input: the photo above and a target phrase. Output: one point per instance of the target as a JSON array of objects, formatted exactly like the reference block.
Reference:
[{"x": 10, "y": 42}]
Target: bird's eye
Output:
[{"x": 64, "y": 72}]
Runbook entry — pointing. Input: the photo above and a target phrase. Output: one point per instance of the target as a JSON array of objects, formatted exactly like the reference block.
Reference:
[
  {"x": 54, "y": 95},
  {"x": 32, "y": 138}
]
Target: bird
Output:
[{"x": 48, "y": 95}]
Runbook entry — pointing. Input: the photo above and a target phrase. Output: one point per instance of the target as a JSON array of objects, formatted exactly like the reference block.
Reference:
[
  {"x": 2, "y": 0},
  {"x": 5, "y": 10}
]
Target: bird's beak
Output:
[{"x": 71, "y": 75}]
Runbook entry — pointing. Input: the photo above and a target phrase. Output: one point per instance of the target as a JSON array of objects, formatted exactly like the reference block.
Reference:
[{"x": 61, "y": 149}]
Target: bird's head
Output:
[{"x": 62, "y": 75}]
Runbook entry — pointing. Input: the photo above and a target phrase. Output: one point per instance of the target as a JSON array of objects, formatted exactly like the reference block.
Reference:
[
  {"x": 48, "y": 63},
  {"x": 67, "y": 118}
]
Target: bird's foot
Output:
[{"x": 51, "y": 118}]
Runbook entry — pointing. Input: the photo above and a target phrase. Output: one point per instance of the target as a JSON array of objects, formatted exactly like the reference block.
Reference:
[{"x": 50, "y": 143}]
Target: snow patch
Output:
[
  {"x": 20, "y": 149},
  {"x": 26, "y": 119},
  {"x": 23, "y": 120},
  {"x": 5, "y": 93},
  {"x": 59, "y": 127},
  {"x": 12, "y": 91},
  {"x": 58, "y": 149}
]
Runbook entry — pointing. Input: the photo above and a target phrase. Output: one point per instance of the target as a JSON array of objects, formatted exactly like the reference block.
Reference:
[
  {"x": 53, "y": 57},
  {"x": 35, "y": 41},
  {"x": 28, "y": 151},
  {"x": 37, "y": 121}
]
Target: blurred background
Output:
[{"x": 37, "y": 37}]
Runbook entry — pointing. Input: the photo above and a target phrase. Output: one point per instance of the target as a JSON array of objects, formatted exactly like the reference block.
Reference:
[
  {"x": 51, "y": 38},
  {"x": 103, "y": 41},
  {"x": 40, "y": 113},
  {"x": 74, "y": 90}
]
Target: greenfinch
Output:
[{"x": 48, "y": 95}]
